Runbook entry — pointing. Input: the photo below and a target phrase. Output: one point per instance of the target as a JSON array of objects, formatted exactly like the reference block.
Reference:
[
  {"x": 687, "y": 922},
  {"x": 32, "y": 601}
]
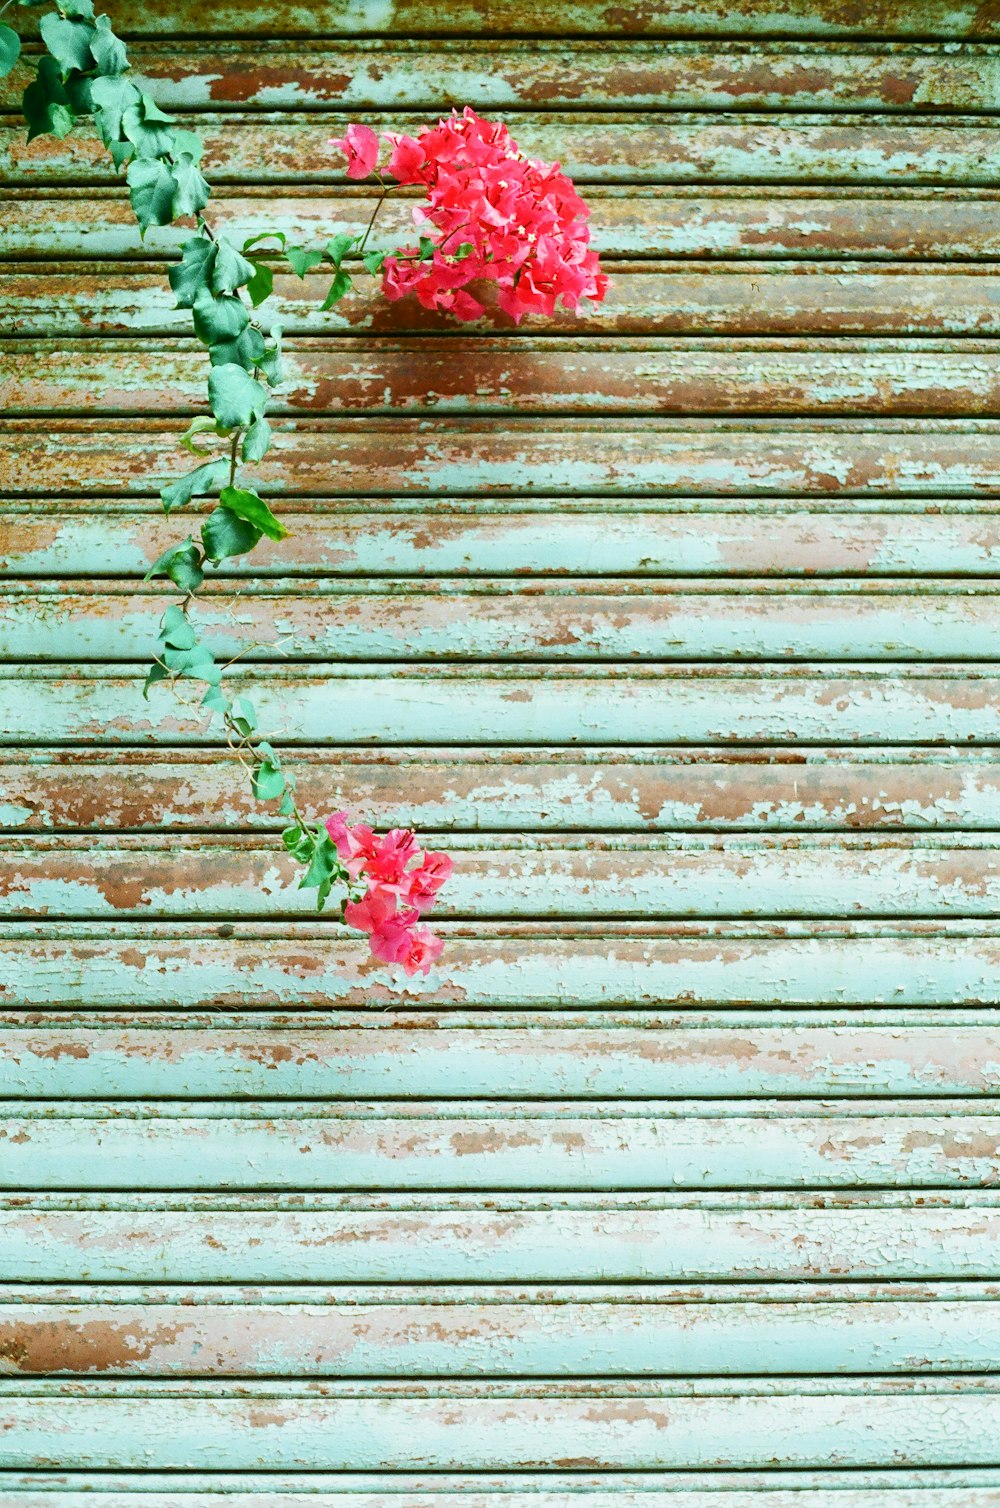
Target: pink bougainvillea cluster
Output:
[
  {"x": 402, "y": 883},
  {"x": 490, "y": 215}
]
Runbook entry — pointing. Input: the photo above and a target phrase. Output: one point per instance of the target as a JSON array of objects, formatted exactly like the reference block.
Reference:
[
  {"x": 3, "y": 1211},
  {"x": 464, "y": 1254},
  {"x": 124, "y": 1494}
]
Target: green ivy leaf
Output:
[
  {"x": 338, "y": 248},
  {"x": 10, "y": 50},
  {"x": 268, "y": 780},
  {"x": 374, "y": 261},
  {"x": 176, "y": 631},
  {"x": 247, "y": 350},
  {"x": 342, "y": 283},
  {"x": 191, "y": 190},
  {"x": 269, "y": 361},
  {"x": 225, "y": 534},
  {"x": 231, "y": 270},
  {"x": 301, "y": 261},
  {"x": 151, "y": 191},
  {"x": 256, "y": 441},
  {"x": 299, "y": 842},
  {"x": 67, "y": 41},
  {"x": 427, "y": 248},
  {"x": 148, "y": 129},
  {"x": 78, "y": 9},
  {"x": 261, "y": 285},
  {"x": 198, "y": 663},
  {"x": 249, "y": 506},
  {"x": 200, "y": 426},
  {"x": 78, "y": 92},
  {"x": 197, "y": 483},
  {"x": 216, "y": 700},
  {"x": 157, "y": 672},
  {"x": 111, "y": 98},
  {"x": 182, "y": 564},
  {"x": 108, "y": 51},
  {"x": 46, "y": 105},
  {"x": 243, "y": 715},
  {"x": 265, "y": 235},
  {"x": 218, "y": 319},
  {"x": 189, "y": 142},
  {"x": 236, "y": 397},
  {"x": 190, "y": 276}
]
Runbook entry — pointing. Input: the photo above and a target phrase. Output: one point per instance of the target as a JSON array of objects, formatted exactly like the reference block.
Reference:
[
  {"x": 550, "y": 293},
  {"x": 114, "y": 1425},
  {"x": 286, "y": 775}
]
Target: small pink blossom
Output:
[
  {"x": 354, "y": 845},
  {"x": 360, "y": 144},
  {"x": 390, "y": 856},
  {"x": 426, "y": 880},
  {"x": 402, "y": 882},
  {"x": 424, "y": 948}
]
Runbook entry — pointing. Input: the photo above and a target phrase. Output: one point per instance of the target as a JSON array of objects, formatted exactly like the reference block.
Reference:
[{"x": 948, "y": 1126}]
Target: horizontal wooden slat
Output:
[
  {"x": 696, "y": 221},
  {"x": 511, "y": 74},
  {"x": 557, "y": 704},
  {"x": 587, "y": 1145},
  {"x": 514, "y": 789},
  {"x": 351, "y": 457},
  {"x": 45, "y": 299},
  {"x": 678, "y": 147},
  {"x": 531, "y": 1055},
  {"x": 582, "y": 965},
  {"x": 607, "y": 1332},
  {"x": 689, "y": 875},
  {"x": 946, "y": 19},
  {"x": 596, "y": 619},
  {"x": 456, "y": 1238},
  {"x": 620, "y": 1426},
  {"x": 902, "y": 457},
  {"x": 527, "y": 375},
  {"x": 644, "y": 537},
  {"x": 973, "y": 1487}
]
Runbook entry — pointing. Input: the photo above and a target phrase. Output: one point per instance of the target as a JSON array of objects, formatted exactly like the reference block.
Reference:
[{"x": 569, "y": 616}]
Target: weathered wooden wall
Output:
[{"x": 678, "y": 1184}]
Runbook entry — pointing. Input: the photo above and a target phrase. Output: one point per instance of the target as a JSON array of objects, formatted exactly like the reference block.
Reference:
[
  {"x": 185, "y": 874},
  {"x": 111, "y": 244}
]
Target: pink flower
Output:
[
  {"x": 360, "y": 145},
  {"x": 494, "y": 216},
  {"x": 424, "y": 882},
  {"x": 390, "y": 856},
  {"x": 354, "y": 845},
  {"x": 423, "y": 948}
]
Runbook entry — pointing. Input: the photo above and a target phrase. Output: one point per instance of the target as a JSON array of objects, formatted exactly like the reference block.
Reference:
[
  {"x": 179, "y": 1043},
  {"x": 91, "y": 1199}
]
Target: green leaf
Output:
[
  {"x": 176, "y": 630},
  {"x": 67, "y": 41},
  {"x": 190, "y": 276},
  {"x": 111, "y": 98},
  {"x": 261, "y": 285},
  {"x": 269, "y": 361},
  {"x": 10, "y": 50},
  {"x": 342, "y": 283},
  {"x": 244, "y": 716},
  {"x": 249, "y": 506},
  {"x": 196, "y": 483},
  {"x": 338, "y": 248},
  {"x": 198, "y": 663},
  {"x": 268, "y": 780},
  {"x": 78, "y": 9},
  {"x": 246, "y": 351},
  {"x": 256, "y": 441},
  {"x": 374, "y": 261},
  {"x": 218, "y": 319},
  {"x": 148, "y": 129},
  {"x": 78, "y": 92},
  {"x": 216, "y": 700},
  {"x": 301, "y": 261},
  {"x": 224, "y": 534},
  {"x": 231, "y": 270},
  {"x": 189, "y": 142},
  {"x": 265, "y": 235},
  {"x": 46, "y": 105},
  {"x": 151, "y": 190},
  {"x": 236, "y": 397},
  {"x": 200, "y": 426},
  {"x": 157, "y": 672},
  {"x": 108, "y": 50},
  {"x": 182, "y": 564},
  {"x": 427, "y": 248},
  {"x": 299, "y": 842},
  {"x": 121, "y": 152},
  {"x": 465, "y": 250},
  {"x": 323, "y": 865},
  {"x": 191, "y": 190}
]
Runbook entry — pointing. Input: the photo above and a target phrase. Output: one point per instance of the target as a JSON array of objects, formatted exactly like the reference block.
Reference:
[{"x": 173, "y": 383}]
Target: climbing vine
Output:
[{"x": 490, "y": 215}]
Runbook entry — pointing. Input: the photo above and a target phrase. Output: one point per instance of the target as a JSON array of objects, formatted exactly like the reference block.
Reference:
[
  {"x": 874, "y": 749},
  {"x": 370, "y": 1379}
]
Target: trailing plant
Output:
[{"x": 489, "y": 215}]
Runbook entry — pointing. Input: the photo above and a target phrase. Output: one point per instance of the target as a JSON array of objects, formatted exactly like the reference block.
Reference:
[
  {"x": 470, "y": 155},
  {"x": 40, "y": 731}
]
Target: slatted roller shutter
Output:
[{"x": 676, "y": 1185}]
